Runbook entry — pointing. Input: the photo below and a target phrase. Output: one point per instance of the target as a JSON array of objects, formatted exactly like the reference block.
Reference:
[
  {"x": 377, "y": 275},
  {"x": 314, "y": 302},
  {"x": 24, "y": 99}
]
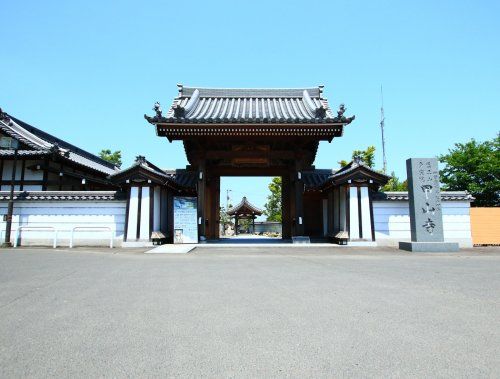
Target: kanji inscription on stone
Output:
[{"x": 426, "y": 218}]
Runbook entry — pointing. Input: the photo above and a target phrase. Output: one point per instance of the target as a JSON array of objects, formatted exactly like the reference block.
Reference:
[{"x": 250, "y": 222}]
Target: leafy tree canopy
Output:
[
  {"x": 366, "y": 156},
  {"x": 394, "y": 184},
  {"x": 115, "y": 157},
  {"x": 343, "y": 163},
  {"x": 224, "y": 218},
  {"x": 474, "y": 167},
  {"x": 273, "y": 205}
]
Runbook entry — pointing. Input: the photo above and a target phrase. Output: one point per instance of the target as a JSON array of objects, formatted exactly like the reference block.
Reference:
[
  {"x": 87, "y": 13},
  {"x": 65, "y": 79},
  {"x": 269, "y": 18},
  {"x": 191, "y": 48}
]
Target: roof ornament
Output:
[
  {"x": 158, "y": 111},
  {"x": 340, "y": 116},
  {"x": 56, "y": 150},
  {"x": 140, "y": 159},
  {"x": 5, "y": 117},
  {"x": 357, "y": 159},
  {"x": 179, "y": 111}
]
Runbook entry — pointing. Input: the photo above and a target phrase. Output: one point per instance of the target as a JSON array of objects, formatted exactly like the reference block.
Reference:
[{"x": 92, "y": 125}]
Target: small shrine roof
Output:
[
  {"x": 355, "y": 171},
  {"x": 244, "y": 208}
]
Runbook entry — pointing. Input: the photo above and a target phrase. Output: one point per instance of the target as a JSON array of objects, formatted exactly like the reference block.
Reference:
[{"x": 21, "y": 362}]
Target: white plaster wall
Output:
[
  {"x": 145, "y": 234},
  {"x": 366, "y": 221},
  {"x": 353, "y": 214},
  {"x": 132, "y": 214},
  {"x": 7, "y": 173},
  {"x": 32, "y": 175},
  {"x": 64, "y": 216},
  {"x": 392, "y": 222}
]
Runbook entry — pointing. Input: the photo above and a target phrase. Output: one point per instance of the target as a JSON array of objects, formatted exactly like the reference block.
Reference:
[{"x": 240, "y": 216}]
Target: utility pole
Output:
[
  {"x": 382, "y": 124},
  {"x": 10, "y": 206}
]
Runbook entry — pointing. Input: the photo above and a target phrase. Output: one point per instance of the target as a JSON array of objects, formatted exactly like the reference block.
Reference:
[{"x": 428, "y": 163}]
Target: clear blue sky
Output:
[{"x": 87, "y": 71}]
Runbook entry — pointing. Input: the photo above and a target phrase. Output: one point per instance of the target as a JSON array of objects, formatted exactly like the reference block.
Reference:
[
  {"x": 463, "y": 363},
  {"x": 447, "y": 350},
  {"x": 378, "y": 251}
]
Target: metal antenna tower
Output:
[{"x": 382, "y": 123}]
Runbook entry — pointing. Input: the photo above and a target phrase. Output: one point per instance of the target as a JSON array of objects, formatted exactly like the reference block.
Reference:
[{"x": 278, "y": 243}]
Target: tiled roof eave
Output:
[
  {"x": 403, "y": 196},
  {"x": 253, "y": 121},
  {"x": 63, "y": 195},
  {"x": 17, "y": 131},
  {"x": 244, "y": 204}
]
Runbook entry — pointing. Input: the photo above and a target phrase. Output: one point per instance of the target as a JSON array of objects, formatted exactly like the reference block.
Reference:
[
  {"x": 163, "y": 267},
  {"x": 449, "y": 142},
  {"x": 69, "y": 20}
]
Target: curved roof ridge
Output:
[
  {"x": 51, "y": 140},
  {"x": 244, "y": 203},
  {"x": 250, "y": 92}
]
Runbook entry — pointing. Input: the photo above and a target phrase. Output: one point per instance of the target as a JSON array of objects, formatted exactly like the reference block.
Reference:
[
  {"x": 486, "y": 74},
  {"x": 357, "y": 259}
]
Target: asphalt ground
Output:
[{"x": 249, "y": 312}]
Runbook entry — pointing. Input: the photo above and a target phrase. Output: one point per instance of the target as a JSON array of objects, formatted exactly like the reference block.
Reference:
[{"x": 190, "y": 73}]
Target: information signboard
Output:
[{"x": 185, "y": 220}]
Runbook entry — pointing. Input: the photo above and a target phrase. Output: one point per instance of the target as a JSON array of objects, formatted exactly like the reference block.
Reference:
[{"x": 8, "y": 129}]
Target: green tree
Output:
[
  {"x": 474, "y": 167},
  {"x": 366, "y": 156},
  {"x": 394, "y": 184},
  {"x": 273, "y": 205},
  {"x": 111, "y": 157},
  {"x": 343, "y": 163},
  {"x": 224, "y": 218}
]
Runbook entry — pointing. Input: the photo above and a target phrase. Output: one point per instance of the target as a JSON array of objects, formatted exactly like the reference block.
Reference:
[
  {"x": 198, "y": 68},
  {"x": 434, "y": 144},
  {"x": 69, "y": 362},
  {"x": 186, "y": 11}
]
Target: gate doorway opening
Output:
[{"x": 250, "y": 209}]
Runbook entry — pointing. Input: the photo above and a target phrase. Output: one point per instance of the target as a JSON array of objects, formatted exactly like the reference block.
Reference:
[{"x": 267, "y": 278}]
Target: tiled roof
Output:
[
  {"x": 63, "y": 195},
  {"x": 178, "y": 179},
  {"x": 316, "y": 178},
  {"x": 145, "y": 164},
  {"x": 43, "y": 142},
  {"x": 403, "y": 196},
  {"x": 8, "y": 153},
  {"x": 235, "y": 105},
  {"x": 355, "y": 170},
  {"x": 183, "y": 178},
  {"x": 244, "y": 207}
]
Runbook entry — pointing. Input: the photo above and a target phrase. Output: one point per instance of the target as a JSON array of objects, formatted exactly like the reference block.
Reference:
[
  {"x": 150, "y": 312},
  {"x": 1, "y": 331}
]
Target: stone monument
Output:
[{"x": 426, "y": 217}]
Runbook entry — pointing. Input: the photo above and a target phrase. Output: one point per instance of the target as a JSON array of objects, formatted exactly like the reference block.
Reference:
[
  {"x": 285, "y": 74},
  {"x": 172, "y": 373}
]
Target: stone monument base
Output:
[{"x": 429, "y": 247}]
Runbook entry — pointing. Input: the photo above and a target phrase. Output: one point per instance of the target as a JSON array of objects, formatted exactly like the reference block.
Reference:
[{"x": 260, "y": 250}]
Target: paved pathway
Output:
[{"x": 253, "y": 312}]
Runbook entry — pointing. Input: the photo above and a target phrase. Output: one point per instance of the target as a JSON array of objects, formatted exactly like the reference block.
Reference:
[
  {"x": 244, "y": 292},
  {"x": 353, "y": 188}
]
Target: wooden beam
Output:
[{"x": 276, "y": 154}]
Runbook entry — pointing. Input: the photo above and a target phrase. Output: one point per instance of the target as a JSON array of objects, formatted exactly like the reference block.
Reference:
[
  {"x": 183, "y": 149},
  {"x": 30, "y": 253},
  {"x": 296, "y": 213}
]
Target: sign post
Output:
[{"x": 426, "y": 216}]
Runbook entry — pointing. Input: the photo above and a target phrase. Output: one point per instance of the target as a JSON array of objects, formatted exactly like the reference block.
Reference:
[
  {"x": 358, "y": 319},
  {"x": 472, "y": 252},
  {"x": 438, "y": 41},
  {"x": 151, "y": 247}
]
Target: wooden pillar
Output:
[
  {"x": 299, "y": 203},
  {"x": 202, "y": 186},
  {"x": 235, "y": 224},
  {"x": 331, "y": 217},
  {"x": 212, "y": 206},
  {"x": 216, "y": 197},
  {"x": 253, "y": 224},
  {"x": 46, "y": 174},
  {"x": 23, "y": 168},
  {"x": 286, "y": 216},
  {"x": 170, "y": 213},
  {"x": 60, "y": 177}
]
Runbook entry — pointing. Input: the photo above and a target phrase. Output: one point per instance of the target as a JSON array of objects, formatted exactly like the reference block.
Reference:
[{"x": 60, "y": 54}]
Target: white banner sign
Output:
[{"x": 185, "y": 220}]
